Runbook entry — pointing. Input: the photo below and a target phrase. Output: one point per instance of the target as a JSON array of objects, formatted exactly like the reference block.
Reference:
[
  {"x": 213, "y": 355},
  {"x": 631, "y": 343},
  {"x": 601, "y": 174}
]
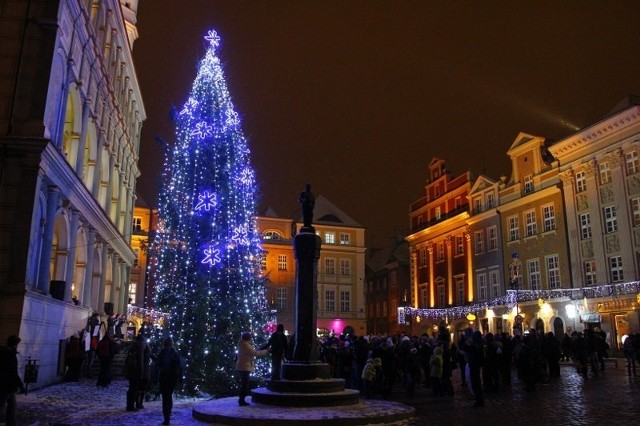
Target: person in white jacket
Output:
[{"x": 245, "y": 364}]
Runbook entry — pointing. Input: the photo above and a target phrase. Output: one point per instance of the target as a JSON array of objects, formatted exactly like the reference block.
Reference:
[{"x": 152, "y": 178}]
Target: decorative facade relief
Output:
[{"x": 613, "y": 243}]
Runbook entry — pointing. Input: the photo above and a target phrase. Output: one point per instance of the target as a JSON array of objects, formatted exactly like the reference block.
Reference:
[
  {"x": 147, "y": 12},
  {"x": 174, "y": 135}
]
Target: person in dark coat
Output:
[
  {"x": 279, "y": 344},
  {"x": 107, "y": 349},
  {"x": 170, "y": 370},
  {"x": 475, "y": 350},
  {"x": 135, "y": 371},
  {"x": 74, "y": 356},
  {"x": 10, "y": 381}
]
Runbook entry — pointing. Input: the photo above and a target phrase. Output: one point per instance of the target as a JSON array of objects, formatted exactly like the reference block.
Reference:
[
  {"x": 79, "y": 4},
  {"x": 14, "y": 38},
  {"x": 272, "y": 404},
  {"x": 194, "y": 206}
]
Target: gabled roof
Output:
[
  {"x": 270, "y": 212},
  {"x": 396, "y": 251},
  {"x": 326, "y": 212},
  {"x": 523, "y": 139},
  {"x": 482, "y": 182}
]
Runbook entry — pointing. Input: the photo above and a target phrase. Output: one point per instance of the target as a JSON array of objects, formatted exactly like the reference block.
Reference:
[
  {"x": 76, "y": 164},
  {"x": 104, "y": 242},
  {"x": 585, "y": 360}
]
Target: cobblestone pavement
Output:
[{"x": 609, "y": 399}]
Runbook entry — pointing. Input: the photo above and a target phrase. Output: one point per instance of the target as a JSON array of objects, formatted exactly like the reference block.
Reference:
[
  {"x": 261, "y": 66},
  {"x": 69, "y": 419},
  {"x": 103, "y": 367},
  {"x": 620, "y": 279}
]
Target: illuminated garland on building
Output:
[
  {"x": 509, "y": 300},
  {"x": 206, "y": 263}
]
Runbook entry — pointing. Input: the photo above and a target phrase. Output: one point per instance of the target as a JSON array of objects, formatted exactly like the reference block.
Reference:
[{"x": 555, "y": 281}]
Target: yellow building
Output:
[{"x": 340, "y": 269}]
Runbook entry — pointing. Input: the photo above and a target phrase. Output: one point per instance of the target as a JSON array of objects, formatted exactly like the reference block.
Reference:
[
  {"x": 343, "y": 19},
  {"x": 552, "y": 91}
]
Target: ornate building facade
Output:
[{"x": 70, "y": 122}]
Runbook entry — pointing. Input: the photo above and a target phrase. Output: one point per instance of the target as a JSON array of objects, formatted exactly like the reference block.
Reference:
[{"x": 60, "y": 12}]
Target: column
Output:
[
  {"x": 469, "y": 258},
  {"x": 47, "y": 240},
  {"x": 118, "y": 218},
  {"x": 103, "y": 274},
  {"x": 107, "y": 207},
  {"x": 124, "y": 288},
  {"x": 432, "y": 291},
  {"x": 448, "y": 242},
  {"x": 597, "y": 225},
  {"x": 115, "y": 282},
  {"x": 71, "y": 256},
  {"x": 87, "y": 287},
  {"x": 625, "y": 232}
]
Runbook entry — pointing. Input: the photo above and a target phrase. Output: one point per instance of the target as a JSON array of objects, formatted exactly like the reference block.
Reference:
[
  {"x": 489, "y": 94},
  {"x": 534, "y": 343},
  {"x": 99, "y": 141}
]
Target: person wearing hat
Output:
[
  {"x": 10, "y": 381},
  {"x": 245, "y": 364}
]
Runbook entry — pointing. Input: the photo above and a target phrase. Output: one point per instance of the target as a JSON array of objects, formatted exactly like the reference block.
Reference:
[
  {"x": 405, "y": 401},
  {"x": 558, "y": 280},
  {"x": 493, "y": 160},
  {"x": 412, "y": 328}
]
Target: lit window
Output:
[
  {"x": 263, "y": 260},
  {"x": 615, "y": 266},
  {"x": 272, "y": 235},
  {"x": 610, "y": 219},
  {"x": 605, "y": 173},
  {"x": 459, "y": 246},
  {"x": 478, "y": 238},
  {"x": 514, "y": 229},
  {"x": 590, "y": 272},
  {"x": 553, "y": 271},
  {"x": 345, "y": 239},
  {"x": 533, "y": 273},
  {"x": 422, "y": 258},
  {"x": 133, "y": 287},
  {"x": 136, "y": 252},
  {"x": 494, "y": 281},
  {"x": 460, "y": 290},
  {"x": 482, "y": 286},
  {"x": 282, "y": 262},
  {"x": 477, "y": 205},
  {"x": 581, "y": 181},
  {"x": 549, "y": 218},
  {"x": 635, "y": 208},
  {"x": 528, "y": 184},
  {"x": 491, "y": 201},
  {"x": 137, "y": 224},
  {"x": 330, "y": 237},
  {"x": 492, "y": 238},
  {"x": 438, "y": 213},
  {"x": 441, "y": 295},
  {"x": 424, "y": 297},
  {"x": 585, "y": 226},
  {"x": 530, "y": 221},
  {"x": 440, "y": 252},
  {"x": 632, "y": 162}
]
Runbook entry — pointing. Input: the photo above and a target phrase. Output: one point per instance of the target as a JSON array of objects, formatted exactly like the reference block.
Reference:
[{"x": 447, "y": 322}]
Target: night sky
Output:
[{"x": 356, "y": 97}]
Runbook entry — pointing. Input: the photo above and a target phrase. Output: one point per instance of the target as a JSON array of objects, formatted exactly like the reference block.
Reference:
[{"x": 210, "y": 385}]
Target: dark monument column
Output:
[{"x": 307, "y": 251}]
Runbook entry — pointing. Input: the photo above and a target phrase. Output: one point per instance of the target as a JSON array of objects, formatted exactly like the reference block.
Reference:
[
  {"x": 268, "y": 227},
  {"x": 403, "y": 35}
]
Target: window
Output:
[
  {"x": 441, "y": 301},
  {"x": 477, "y": 205},
  {"x": 548, "y": 218},
  {"x": 345, "y": 239},
  {"x": 422, "y": 257},
  {"x": 282, "y": 262},
  {"x": 482, "y": 286},
  {"x": 635, "y": 208},
  {"x": 553, "y": 271},
  {"x": 528, "y": 184},
  {"x": 494, "y": 282},
  {"x": 615, "y": 266},
  {"x": 590, "y": 272},
  {"x": 330, "y": 237},
  {"x": 459, "y": 245},
  {"x": 585, "y": 226},
  {"x": 460, "y": 290},
  {"x": 492, "y": 238},
  {"x": 632, "y": 162},
  {"x": 424, "y": 297},
  {"x": 133, "y": 287},
  {"x": 281, "y": 298},
  {"x": 345, "y": 305},
  {"x": 440, "y": 252},
  {"x": 491, "y": 201},
  {"x": 514, "y": 230},
  {"x": 478, "y": 239},
  {"x": 581, "y": 181},
  {"x": 272, "y": 235},
  {"x": 533, "y": 273},
  {"x": 530, "y": 223},
  {"x": 345, "y": 267},
  {"x": 137, "y": 224},
  {"x": 330, "y": 301},
  {"x": 605, "y": 173},
  {"x": 457, "y": 203},
  {"x": 263, "y": 260},
  {"x": 329, "y": 266},
  {"x": 610, "y": 220},
  {"x": 438, "y": 213}
]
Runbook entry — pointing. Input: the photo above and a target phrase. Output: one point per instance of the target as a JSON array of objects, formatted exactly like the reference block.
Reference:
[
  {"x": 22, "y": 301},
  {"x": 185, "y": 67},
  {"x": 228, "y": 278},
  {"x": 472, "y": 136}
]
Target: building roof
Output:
[{"x": 325, "y": 212}]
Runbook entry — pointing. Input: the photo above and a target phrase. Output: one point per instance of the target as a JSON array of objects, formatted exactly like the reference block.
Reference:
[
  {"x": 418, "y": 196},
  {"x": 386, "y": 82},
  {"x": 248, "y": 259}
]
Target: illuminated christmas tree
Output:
[{"x": 207, "y": 249}]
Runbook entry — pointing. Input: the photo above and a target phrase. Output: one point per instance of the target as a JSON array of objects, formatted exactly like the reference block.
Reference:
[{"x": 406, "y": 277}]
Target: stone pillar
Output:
[
  {"x": 47, "y": 240},
  {"x": 103, "y": 274},
  {"x": 71, "y": 256},
  {"x": 87, "y": 287},
  {"x": 82, "y": 142},
  {"x": 307, "y": 250},
  {"x": 115, "y": 282},
  {"x": 124, "y": 287}
]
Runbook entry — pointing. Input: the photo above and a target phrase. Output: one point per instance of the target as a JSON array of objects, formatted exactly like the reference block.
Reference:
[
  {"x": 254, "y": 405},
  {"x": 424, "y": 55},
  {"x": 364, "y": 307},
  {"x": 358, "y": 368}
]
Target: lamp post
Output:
[{"x": 515, "y": 271}]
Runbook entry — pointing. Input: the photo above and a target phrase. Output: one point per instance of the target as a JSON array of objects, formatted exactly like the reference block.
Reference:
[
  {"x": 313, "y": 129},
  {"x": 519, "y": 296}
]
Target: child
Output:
[{"x": 436, "y": 371}]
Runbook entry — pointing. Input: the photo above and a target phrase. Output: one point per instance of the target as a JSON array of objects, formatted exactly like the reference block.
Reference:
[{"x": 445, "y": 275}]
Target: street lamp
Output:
[{"x": 515, "y": 271}]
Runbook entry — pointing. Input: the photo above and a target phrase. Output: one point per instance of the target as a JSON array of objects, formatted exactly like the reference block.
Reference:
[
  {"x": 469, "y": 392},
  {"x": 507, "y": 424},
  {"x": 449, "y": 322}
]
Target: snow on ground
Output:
[{"x": 83, "y": 403}]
